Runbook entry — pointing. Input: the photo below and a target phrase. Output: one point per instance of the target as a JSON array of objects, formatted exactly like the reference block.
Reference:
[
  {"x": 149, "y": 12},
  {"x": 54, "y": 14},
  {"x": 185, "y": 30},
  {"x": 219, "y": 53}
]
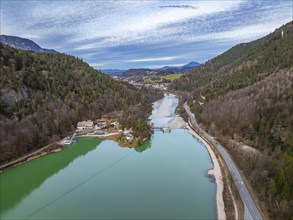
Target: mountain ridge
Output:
[
  {"x": 191, "y": 64},
  {"x": 175, "y": 69},
  {"x": 23, "y": 44}
]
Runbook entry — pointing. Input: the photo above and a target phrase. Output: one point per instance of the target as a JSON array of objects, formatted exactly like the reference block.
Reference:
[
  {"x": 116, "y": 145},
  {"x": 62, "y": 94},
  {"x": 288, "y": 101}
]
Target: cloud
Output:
[
  {"x": 243, "y": 34},
  {"x": 116, "y": 23},
  {"x": 96, "y": 64},
  {"x": 152, "y": 59},
  {"x": 133, "y": 33},
  {"x": 30, "y": 36},
  {"x": 178, "y": 6},
  {"x": 141, "y": 23}
]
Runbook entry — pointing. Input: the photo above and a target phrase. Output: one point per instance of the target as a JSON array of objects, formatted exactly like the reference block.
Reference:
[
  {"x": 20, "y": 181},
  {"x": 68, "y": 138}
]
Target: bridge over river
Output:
[{"x": 163, "y": 128}]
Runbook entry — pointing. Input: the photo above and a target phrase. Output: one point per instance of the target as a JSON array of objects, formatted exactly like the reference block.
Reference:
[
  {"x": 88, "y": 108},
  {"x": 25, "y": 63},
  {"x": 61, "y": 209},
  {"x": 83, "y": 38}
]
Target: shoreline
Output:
[
  {"x": 216, "y": 174},
  {"x": 55, "y": 148}
]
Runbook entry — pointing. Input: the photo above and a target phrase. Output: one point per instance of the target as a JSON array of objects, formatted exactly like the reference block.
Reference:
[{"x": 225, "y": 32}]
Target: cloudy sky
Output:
[{"x": 130, "y": 34}]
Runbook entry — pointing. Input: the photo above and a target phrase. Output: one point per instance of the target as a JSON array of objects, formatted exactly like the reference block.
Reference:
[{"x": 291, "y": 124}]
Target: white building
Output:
[{"x": 82, "y": 125}]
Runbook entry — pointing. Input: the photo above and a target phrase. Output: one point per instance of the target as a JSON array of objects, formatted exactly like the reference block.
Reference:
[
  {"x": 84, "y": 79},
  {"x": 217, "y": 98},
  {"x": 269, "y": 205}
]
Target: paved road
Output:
[{"x": 250, "y": 211}]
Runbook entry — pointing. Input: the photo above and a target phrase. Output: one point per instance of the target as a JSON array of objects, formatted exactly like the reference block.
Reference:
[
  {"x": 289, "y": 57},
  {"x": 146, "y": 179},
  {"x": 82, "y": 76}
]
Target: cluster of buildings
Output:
[
  {"x": 98, "y": 128},
  {"x": 128, "y": 135},
  {"x": 100, "y": 123},
  {"x": 162, "y": 86}
]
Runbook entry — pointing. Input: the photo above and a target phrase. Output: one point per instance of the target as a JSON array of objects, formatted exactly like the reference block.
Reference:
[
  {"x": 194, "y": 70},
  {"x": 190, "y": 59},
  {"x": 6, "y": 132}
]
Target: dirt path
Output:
[{"x": 24, "y": 158}]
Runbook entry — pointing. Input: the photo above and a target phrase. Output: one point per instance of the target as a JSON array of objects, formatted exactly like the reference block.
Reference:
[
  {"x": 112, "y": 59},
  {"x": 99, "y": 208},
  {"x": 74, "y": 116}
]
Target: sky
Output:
[{"x": 150, "y": 34}]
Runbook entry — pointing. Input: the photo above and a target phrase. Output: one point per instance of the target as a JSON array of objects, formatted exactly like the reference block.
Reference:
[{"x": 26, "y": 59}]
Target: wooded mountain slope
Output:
[
  {"x": 241, "y": 66},
  {"x": 248, "y": 94},
  {"x": 43, "y": 96}
]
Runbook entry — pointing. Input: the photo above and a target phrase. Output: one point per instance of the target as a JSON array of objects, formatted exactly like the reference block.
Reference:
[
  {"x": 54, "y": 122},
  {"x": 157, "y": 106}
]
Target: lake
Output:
[{"x": 165, "y": 178}]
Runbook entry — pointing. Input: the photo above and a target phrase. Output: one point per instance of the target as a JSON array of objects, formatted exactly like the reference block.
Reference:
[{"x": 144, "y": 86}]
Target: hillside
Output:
[
  {"x": 23, "y": 44},
  {"x": 242, "y": 65},
  {"x": 245, "y": 98},
  {"x": 43, "y": 96}
]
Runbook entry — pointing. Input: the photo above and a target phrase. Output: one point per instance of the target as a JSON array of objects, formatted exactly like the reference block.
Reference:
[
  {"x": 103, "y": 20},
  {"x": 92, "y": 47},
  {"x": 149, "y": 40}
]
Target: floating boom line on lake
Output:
[{"x": 80, "y": 184}]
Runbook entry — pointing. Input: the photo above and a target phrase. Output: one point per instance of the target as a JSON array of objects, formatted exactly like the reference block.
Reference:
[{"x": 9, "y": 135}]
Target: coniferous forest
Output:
[{"x": 44, "y": 95}]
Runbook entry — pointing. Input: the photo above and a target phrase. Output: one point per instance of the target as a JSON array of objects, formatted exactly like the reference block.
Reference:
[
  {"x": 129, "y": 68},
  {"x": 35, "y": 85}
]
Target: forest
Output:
[
  {"x": 43, "y": 96},
  {"x": 244, "y": 97}
]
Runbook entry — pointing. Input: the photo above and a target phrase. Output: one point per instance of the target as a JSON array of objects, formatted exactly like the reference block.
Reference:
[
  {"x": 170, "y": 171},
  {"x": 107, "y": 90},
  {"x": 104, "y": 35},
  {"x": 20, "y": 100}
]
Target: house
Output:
[
  {"x": 129, "y": 137},
  {"x": 128, "y": 134},
  {"x": 115, "y": 124},
  {"x": 82, "y": 125},
  {"x": 101, "y": 122},
  {"x": 97, "y": 127}
]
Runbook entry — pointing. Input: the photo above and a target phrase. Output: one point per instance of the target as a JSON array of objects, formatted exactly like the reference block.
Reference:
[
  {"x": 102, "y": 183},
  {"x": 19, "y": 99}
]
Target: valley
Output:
[{"x": 146, "y": 110}]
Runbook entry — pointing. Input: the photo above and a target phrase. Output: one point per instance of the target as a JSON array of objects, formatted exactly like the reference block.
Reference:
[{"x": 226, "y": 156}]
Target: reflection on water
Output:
[
  {"x": 18, "y": 182},
  {"x": 144, "y": 146}
]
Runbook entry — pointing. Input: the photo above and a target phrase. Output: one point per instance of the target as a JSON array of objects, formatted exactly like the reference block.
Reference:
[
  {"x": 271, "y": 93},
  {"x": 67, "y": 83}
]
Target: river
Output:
[{"x": 165, "y": 178}]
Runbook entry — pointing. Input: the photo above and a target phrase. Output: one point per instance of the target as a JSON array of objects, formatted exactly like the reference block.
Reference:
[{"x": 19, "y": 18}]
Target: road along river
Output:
[{"x": 251, "y": 212}]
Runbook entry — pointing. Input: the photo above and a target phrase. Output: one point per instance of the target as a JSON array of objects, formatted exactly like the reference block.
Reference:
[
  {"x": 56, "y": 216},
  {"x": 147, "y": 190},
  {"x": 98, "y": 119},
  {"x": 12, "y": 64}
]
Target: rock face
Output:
[
  {"x": 23, "y": 44},
  {"x": 10, "y": 96}
]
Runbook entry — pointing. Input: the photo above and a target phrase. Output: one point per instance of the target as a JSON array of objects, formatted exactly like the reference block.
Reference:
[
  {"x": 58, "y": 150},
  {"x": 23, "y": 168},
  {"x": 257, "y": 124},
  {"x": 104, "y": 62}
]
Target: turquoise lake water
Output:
[{"x": 165, "y": 178}]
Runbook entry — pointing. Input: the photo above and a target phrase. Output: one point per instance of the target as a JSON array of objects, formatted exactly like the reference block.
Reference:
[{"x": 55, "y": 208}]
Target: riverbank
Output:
[
  {"x": 163, "y": 110},
  {"x": 216, "y": 173}
]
